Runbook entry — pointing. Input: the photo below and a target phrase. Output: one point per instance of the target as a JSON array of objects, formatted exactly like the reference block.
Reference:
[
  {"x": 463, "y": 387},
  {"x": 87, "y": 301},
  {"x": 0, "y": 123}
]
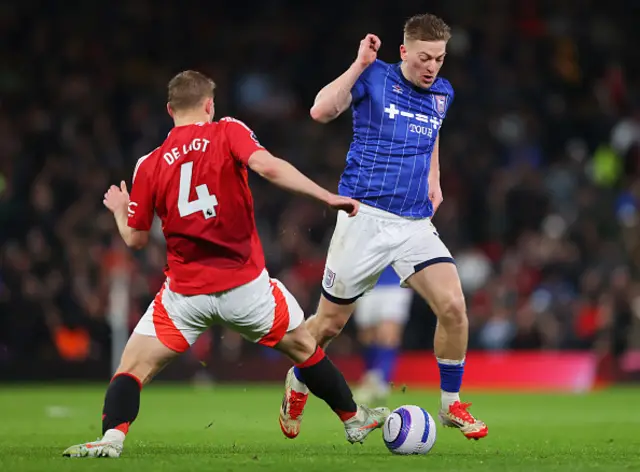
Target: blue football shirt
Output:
[{"x": 395, "y": 125}]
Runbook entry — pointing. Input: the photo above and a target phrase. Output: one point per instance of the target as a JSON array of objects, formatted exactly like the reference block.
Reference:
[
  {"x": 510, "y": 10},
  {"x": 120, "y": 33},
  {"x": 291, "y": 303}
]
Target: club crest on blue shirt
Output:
[
  {"x": 396, "y": 88},
  {"x": 329, "y": 278},
  {"x": 441, "y": 103}
]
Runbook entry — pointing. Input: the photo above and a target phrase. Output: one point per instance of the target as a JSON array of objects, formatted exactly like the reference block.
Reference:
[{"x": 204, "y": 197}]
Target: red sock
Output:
[{"x": 346, "y": 415}]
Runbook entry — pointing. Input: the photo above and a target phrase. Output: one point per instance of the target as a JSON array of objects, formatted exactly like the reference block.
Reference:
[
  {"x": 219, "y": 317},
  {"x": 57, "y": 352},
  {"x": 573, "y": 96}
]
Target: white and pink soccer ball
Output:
[{"x": 409, "y": 429}]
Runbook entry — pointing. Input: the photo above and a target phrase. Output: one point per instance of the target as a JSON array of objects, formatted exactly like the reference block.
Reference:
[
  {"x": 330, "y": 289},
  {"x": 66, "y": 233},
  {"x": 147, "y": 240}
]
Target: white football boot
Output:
[
  {"x": 110, "y": 445},
  {"x": 364, "y": 422}
]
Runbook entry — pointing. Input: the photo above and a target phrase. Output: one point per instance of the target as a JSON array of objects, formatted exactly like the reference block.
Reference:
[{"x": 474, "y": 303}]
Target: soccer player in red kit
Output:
[{"x": 197, "y": 184}]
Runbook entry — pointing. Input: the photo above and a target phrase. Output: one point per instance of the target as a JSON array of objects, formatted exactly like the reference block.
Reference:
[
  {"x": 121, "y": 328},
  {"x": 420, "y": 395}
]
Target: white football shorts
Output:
[
  {"x": 363, "y": 246},
  {"x": 262, "y": 311}
]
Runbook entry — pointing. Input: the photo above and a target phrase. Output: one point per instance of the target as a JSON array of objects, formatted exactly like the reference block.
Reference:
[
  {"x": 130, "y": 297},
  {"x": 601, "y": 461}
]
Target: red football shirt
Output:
[{"x": 197, "y": 184}]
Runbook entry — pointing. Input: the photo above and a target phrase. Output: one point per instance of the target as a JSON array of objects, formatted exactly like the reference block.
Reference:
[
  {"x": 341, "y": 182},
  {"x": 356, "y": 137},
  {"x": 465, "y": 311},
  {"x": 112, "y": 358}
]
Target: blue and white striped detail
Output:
[
  {"x": 409, "y": 430},
  {"x": 395, "y": 128}
]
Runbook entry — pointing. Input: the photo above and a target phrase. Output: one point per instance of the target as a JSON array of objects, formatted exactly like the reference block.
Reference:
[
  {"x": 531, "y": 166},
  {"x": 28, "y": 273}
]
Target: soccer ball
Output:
[{"x": 409, "y": 429}]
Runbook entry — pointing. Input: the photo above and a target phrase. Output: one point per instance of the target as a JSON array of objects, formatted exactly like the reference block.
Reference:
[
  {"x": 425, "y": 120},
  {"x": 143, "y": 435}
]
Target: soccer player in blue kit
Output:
[
  {"x": 380, "y": 316},
  {"x": 392, "y": 168}
]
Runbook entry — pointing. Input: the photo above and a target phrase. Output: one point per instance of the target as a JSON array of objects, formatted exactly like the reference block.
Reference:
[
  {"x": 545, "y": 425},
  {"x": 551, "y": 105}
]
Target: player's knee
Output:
[
  {"x": 331, "y": 319},
  {"x": 452, "y": 310},
  {"x": 140, "y": 370},
  {"x": 324, "y": 328},
  {"x": 304, "y": 346},
  {"x": 331, "y": 326},
  {"x": 299, "y": 345},
  {"x": 144, "y": 357},
  {"x": 143, "y": 367}
]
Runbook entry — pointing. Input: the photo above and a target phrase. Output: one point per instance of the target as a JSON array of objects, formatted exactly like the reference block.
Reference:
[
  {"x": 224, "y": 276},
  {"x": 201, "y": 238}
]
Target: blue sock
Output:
[
  {"x": 450, "y": 375},
  {"x": 386, "y": 361},
  {"x": 370, "y": 356},
  {"x": 296, "y": 372}
]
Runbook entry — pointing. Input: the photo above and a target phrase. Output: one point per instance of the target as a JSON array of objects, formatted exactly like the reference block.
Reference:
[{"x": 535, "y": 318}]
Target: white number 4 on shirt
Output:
[{"x": 206, "y": 203}]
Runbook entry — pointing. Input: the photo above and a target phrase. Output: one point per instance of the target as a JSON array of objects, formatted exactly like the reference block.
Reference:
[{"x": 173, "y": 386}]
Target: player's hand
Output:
[
  {"x": 347, "y": 204},
  {"x": 117, "y": 199},
  {"x": 435, "y": 195},
  {"x": 368, "y": 51}
]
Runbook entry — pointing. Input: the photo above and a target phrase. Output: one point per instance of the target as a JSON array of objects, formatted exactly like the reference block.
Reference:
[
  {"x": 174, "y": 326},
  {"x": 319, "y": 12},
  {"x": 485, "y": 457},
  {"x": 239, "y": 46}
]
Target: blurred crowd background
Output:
[{"x": 540, "y": 157}]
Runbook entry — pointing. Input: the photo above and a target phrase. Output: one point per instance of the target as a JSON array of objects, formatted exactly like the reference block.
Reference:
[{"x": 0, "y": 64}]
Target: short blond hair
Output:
[
  {"x": 426, "y": 27},
  {"x": 188, "y": 89}
]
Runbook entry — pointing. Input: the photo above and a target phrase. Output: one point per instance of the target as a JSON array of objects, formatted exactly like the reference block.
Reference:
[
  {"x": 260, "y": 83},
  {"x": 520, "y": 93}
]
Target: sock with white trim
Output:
[{"x": 451, "y": 372}]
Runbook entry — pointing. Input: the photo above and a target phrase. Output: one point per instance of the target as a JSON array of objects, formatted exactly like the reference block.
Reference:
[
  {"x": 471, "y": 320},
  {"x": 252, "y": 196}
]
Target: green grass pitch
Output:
[{"x": 184, "y": 428}]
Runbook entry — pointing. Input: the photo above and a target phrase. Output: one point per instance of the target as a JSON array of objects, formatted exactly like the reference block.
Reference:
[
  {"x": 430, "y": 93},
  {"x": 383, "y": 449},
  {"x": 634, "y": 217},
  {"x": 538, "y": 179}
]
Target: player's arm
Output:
[
  {"x": 245, "y": 148},
  {"x": 336, "y": 97},
  {"x": 133, "y": 214},
  {"x": 283, "y": 174},
  {"x": 434, "y": 169},
  {"x": 435, "y": 191},
  {"x": 117, "y": 200},
  {"x": 286, "y": 176}
]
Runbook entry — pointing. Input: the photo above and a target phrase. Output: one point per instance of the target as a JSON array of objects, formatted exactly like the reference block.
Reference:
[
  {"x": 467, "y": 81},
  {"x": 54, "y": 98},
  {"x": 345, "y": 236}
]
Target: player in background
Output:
[
  {"x": 393, "y": 169},
  {"x": 380, "y": 317},
  {"x": 197, "y": 184}
]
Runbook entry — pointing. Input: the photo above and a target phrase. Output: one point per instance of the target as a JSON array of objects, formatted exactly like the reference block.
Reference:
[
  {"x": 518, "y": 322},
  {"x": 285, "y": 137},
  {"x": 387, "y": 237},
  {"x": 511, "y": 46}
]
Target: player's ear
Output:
[
  {"x": 403, "y": 52},
  {"x": 209, "y": 107},
  {"x": 169, "y": 110}
]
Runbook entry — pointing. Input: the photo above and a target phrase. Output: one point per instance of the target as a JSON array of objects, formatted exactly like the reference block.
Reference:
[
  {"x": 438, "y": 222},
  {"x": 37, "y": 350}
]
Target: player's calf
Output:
[
  {"x": 453, "y": 412},
  {"x": 321, "y": 377},
  {"x": 142, "y": 358},
  {"x": 121, "y": 406},
  {"x": 326, "y": 382},
  {"x": 439, "y": 285},
  {"x": 300, "y": 345},
  {"x": 315, "y": 373}
]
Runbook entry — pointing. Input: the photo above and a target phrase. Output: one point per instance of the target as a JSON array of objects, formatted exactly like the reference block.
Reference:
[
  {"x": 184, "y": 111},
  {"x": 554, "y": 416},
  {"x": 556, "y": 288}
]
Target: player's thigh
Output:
[
  {"x": 358, "y": 253},
  {"x": 329, "y": 320},
  {"x": 439, "y": 284},
  {"x": 176, "y": 320},
  {"x": 144, "y": 356},
  {"x": 263, "y": 311},
  {"x": 426, "y": 265}
]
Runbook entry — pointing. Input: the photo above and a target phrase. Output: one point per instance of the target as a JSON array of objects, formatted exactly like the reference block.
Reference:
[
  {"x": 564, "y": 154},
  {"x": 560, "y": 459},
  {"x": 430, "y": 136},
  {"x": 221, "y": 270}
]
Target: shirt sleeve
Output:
[
  {"x": 360, "y": 88},
  {"x": 242, "y": 140},
  {"x": 141, "y": 209},
  {"x": 358, "y": 91}
]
